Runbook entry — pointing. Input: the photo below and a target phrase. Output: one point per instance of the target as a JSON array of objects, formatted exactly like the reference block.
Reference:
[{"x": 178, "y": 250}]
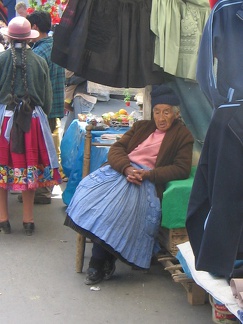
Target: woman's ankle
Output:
[
  {"x": 4, "y": 220},
  {"x": 28, "y": 220}
]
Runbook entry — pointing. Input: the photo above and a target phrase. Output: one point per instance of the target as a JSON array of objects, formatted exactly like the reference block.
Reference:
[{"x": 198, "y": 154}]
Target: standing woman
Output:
[{"x": 27, "y": 153}]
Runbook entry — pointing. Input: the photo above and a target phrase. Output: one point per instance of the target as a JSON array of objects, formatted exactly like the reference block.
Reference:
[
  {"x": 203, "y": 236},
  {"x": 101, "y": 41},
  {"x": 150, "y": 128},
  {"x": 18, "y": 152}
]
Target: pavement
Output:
[{"x": 39, "y": 284}]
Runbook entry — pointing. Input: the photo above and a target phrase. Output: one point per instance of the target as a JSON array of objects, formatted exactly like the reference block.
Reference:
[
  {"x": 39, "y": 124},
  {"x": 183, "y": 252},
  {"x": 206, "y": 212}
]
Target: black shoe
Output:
[
  {"x": 93, "y": 276},
  {"x": 109, "y": 268},
  {"x": 5, "y": 227},
  {"x": 29, "y": 228},
  {"x": 42, "y": 200}
]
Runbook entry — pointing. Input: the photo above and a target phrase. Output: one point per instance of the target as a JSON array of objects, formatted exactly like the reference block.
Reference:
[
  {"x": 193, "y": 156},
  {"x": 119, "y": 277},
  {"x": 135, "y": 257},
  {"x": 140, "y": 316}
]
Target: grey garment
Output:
[
  {"x": 44, "y": 192},
  {"x": 80, "y": 106}
]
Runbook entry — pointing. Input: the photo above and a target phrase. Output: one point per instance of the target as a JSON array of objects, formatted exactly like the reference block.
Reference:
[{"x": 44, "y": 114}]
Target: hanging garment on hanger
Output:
[
  {"x": 178, "y": 26},
  {"x": 165, "y": 24},
  {"x": 194, "y": 18},
  {"x": 108, "y": 42}
]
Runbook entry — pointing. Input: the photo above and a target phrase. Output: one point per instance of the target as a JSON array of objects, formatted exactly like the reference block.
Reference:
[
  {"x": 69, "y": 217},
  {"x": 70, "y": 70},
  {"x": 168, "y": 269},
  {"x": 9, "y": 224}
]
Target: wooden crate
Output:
[{"x": 169, "y": 238}]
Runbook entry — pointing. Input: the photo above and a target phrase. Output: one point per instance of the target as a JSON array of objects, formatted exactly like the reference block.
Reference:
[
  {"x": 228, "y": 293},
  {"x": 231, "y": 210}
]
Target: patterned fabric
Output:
[
  {"x": 31, "y": 169},
  {"x": 43, "y": 48},
  {"x": 178, "y": 26}
]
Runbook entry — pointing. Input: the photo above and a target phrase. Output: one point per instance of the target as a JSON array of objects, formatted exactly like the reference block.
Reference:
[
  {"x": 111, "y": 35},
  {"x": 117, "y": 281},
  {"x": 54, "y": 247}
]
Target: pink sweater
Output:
[{"x": 146, "y": 152}]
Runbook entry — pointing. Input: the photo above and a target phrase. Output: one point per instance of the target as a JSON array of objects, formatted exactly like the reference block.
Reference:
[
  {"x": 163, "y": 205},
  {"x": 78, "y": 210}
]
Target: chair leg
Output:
[{"x": 80, "y": 249}]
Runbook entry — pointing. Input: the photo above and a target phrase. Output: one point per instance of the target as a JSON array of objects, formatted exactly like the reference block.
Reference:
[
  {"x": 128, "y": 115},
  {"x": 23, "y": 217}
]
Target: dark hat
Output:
[{"x": 163, "y": 94}]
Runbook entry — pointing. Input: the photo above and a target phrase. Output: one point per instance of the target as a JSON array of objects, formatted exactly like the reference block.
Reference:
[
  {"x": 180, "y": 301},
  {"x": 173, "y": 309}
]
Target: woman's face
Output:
[{"x": 164, "y": 116}]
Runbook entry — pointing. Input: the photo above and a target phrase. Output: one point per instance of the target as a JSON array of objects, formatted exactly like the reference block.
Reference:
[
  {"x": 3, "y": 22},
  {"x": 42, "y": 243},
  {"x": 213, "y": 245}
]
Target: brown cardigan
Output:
[{"x": 174, "y": 158}]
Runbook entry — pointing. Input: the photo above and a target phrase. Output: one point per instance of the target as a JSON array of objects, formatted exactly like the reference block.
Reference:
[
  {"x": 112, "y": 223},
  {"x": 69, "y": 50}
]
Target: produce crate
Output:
[{"x": 170, "y": 238}]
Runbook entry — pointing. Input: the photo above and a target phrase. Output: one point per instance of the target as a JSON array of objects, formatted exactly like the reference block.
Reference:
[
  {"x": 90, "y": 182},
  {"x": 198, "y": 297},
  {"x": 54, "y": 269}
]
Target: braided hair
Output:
[{"x": 25, "y": 99}]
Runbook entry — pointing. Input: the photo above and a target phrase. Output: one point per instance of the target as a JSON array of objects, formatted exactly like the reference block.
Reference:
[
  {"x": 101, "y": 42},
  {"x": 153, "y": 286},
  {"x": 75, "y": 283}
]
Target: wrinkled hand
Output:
[{"x": 134, "y": 175}]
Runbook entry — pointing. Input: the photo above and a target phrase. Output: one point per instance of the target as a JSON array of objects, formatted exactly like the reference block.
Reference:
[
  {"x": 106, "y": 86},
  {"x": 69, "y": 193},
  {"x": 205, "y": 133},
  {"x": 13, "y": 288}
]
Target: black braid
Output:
[
  {"x": 14, "y": 57},
  {"x": 24, "y": 70},
  {"x": 13, "y": 98}
]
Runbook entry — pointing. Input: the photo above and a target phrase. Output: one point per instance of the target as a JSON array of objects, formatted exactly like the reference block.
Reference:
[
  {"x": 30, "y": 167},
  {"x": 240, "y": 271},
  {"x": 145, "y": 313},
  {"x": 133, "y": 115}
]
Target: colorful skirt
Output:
[
  {"x": 29, "y": 170},
  {"x": 121, "y": 216}
]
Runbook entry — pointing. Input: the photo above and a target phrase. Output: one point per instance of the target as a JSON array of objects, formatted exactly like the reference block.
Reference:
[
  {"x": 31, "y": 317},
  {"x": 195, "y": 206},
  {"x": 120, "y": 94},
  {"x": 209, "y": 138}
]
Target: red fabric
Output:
[
  {"x": 31, "y": 169},
  {"x": 35, "y": 148},
  {"x": 212, "y": 3}
]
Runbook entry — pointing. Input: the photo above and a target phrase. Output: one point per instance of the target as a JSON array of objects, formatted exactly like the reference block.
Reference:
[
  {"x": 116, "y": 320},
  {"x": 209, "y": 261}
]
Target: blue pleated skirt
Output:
[{"x": 121, "y": 216}]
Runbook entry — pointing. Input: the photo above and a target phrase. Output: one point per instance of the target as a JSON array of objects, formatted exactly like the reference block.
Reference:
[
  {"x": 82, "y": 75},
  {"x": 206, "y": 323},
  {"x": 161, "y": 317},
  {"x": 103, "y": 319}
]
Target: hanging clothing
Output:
[
  {"x": 108, "y": 42},
  {"x": 214, "y": 220},
  {"x": 178, "y": 26},
  {"x": 220, "y": 63}
]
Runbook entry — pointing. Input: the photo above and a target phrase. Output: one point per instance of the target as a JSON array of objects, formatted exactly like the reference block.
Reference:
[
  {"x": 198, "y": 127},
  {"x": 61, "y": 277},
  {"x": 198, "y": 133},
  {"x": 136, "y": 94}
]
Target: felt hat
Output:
[
  {"x": 19, "y": 28},
  {"x": 163, "y": 94}
]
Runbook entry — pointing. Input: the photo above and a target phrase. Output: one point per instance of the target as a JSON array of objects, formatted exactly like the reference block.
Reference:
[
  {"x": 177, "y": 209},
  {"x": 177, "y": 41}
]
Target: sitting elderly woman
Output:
[{"x": 118, "y": 206}]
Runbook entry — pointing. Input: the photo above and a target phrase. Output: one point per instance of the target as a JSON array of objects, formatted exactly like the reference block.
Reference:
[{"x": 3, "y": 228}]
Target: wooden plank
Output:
[
  {"x": 195, "y": 294},
  {"x": 80, "y": 249},
  {"x": 81, "y": 240}
]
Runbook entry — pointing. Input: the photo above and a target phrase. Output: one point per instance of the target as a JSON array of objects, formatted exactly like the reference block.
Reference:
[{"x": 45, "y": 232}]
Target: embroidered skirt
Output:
[
  {"x": 123, "y": 217},
  {"x": 31, "y": 169}
]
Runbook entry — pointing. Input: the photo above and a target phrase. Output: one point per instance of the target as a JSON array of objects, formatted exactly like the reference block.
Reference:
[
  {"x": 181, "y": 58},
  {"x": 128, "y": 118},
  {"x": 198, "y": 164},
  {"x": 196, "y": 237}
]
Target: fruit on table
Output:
[
  {"x": 121, "y": 117},
  {"x": 108, "y": 116},
  {"x": 82, "y": 117},
  {"x": 122, "y": 112}
]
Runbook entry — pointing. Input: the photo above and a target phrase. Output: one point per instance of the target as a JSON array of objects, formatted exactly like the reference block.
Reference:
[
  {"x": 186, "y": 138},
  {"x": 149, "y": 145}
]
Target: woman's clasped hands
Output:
[{"x": 134, "y": 175}]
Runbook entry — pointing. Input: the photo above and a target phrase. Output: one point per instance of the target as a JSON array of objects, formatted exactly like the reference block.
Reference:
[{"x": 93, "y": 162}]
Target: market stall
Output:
[{"x": 172, "y": 28}]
